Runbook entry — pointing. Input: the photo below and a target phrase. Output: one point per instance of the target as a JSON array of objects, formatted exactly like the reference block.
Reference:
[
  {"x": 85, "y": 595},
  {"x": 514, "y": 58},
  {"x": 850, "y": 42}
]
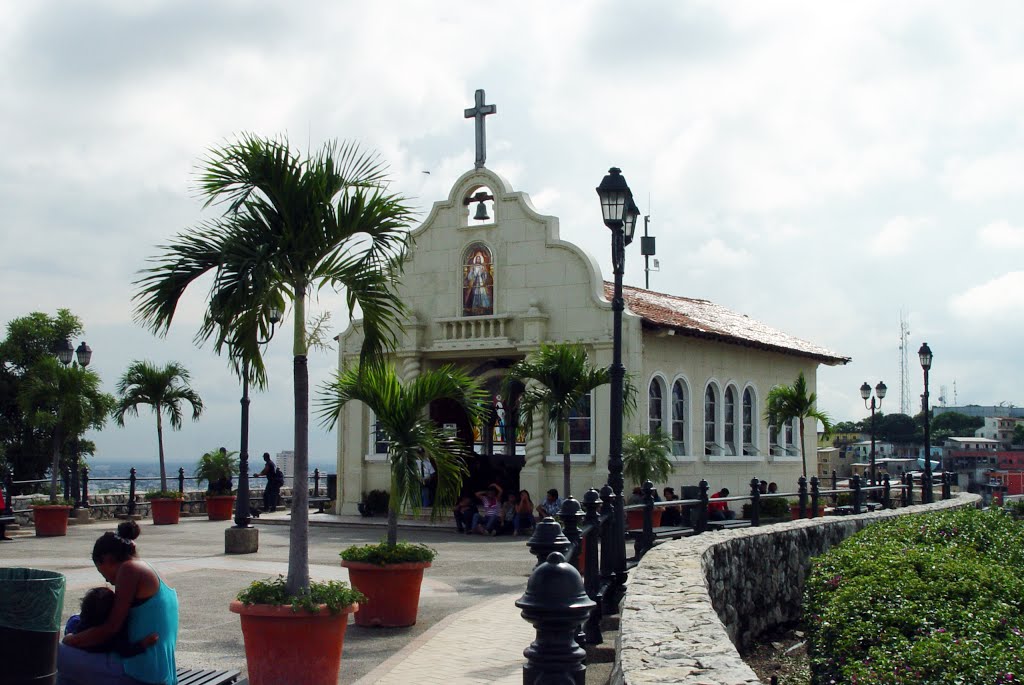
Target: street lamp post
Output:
[
  {"x": 925, "y": 355},
  {"x": 619, "y": 213},
  {"x": 865, "y": 393},
  {"x": 242, "y": 513},
  {"x": 83, "y": 354}
]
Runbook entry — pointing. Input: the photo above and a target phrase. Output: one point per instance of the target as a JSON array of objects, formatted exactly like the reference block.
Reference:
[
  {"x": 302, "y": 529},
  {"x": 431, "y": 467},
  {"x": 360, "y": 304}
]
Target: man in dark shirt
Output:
[{"x": 275, "y": 480}]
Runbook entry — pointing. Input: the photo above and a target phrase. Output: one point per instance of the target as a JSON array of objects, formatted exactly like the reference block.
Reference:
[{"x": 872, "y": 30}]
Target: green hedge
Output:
[{"x": 934, "y": 598}]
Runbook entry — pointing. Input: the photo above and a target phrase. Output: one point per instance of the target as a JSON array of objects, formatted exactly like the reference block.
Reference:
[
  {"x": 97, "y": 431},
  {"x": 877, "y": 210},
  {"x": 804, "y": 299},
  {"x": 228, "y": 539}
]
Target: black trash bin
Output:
[
  {"x": 31, "y": 603},
  {"x": 332, "y": 486}
]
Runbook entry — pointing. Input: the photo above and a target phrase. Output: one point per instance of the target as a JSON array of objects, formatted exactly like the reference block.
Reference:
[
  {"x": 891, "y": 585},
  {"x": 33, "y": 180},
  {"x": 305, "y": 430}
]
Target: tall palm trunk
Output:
[
  {"x": 58, "y": 437},
  {"x": 298, "y": 539},
  {"x": 566, "y": 460},
  {"x": 160, "y": 447},
  {"x": 393, "y": 504}
]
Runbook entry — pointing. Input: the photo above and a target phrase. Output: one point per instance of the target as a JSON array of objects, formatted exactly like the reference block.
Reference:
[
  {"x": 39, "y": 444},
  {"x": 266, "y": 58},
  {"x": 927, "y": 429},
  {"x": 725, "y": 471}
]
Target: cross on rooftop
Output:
[{"x": 479, "y": 112}]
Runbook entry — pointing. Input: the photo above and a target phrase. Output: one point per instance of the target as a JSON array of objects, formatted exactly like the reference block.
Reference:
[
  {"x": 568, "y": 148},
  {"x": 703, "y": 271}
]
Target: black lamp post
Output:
[
  {"x": 83, "y": 353},
  {"x": 242, "y": 514},
  {"x": 865, "y": 393},
  {"x": 620, "y": 214},
  {"x": 925, "y": 354}
]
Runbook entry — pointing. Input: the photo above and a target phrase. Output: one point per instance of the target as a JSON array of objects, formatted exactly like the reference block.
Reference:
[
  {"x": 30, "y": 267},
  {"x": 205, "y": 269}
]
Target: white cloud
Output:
[
  {"x": 1000, "y": 234},
  {"x": 985, "y": 177},
  {"x": 897, "y": 236},
  {"x": 995, "y": 301},
  {"x": 715, "y": 253}
]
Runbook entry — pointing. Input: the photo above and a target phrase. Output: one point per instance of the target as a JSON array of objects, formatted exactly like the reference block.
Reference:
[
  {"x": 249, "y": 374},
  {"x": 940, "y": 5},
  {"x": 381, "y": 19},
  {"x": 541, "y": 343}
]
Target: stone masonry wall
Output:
[{"x": 692, "y": 602}]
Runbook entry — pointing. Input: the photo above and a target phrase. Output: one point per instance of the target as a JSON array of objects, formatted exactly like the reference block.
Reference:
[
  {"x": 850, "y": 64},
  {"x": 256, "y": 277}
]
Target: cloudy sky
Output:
[{"x": 818, "y": 166}]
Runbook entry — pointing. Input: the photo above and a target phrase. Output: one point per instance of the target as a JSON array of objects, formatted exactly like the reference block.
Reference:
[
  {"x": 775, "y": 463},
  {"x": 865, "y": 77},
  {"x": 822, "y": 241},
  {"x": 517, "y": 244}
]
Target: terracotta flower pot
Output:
[
  {"x": 392, "y": 592},
  {"x": 282, "y": 646},
  {"x": 635, "y": 518},
  {"x": 794, "y": 511},
  {"x": 51, "y": 519},
  {"x": 220, "y": 507},
  {"x": 165, "y": 511}
]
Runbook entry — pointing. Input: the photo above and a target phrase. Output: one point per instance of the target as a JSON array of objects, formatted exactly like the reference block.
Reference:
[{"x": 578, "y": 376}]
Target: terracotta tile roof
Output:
[{"x": 703, "y": 319}]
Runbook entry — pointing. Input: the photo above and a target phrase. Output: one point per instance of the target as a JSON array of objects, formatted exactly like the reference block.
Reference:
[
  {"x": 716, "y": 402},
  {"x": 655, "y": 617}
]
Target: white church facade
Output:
[{"x": 488, "y": 280}]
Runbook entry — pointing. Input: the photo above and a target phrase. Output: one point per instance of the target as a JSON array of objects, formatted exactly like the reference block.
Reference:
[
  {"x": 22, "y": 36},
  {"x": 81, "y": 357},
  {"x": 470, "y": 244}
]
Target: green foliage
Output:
[
  {"x": 403, "y": 422},
  {"x": 383, "y": 553},
  {"x": 645, "y": 457},
  {"x": 377, "y": 501},
  {"x": 333, "y": 593},
  {"x": 1018, "y": 434},
  {"x": 217, "y": 465},
  {"x": 164, "y": 389},
  {"x": 1015, "y": 508},
  {"x": 771, "y": 508},
  {"x": 788, "y": 402},
  {"x": 927, "y": 599},
  {"x": 163, "y": 494}
]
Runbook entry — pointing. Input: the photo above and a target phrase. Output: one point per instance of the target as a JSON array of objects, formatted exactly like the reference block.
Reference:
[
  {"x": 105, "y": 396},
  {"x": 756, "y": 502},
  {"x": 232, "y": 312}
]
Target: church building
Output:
[{"x": 488, "y": 280}]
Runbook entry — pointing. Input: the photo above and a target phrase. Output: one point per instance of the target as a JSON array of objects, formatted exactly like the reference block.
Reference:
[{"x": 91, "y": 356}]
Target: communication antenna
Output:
[
  {"x": 904, "y": 365},
  {"x": 942, "y": 395},
  {"x": 647, "y": 248},
  {"x": 956, "y": 403}
]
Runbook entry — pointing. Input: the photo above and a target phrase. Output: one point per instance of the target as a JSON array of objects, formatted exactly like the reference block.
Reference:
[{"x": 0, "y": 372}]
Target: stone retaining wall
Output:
[{"x": 690, "y": 603}]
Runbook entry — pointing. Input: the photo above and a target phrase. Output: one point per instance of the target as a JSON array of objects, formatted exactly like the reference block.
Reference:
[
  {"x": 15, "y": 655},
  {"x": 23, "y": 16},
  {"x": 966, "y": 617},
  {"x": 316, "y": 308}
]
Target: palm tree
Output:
[
  {"x": 65, "y": 402},
  {"x": 292, "y": 225},
  {"x": 563, "y": 378},
  {"x": 411, "y": 435},
  {"x": 645, "y": 457},
  {"x": 788, "y": 402},
  {"x": 164, "y": 389}
]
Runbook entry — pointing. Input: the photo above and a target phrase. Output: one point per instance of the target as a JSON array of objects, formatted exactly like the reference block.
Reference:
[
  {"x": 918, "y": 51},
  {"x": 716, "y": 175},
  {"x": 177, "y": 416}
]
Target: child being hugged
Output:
[{"x": 96, "y": 606}]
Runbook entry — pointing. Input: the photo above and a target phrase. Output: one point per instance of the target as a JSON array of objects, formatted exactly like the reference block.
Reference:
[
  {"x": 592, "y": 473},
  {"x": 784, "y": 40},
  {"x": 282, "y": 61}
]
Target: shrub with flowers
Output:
[{"x": 919, "y": 600}]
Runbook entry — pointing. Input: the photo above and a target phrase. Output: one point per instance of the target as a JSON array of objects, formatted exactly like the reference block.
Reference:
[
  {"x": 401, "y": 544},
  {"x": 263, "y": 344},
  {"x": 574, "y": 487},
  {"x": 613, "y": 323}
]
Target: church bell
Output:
[{"x": 481, "y": 212}]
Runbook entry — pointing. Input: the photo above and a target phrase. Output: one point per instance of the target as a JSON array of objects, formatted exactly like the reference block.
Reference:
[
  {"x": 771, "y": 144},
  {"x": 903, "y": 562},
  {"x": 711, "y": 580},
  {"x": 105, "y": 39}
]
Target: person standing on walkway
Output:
[
  {"x": 142, "y": 601},
  {"x": 275, "y": 479}
]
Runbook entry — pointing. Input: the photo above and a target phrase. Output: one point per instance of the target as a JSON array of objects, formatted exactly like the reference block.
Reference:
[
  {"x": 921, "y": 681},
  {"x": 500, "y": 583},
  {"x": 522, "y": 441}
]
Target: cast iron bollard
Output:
[
  {"x": 855, "y": 486},
  {"x": 646, "y": 539},
  {"x": 802, "y": 491},
  {"x": 886, "y": 492},
  {"x": 835, "y": 486},
  {"x": 85, "y": 487},
  {"x": 316, "y": 482},
  {"x": 547, "y": 538},
  {"x": 181, "y": 488},
  {"x": 571, "y": 515},
  {"x": 815, "y": 495},
  {"x": 907, "y": 494},
  {"x": 131, "y": 491},
  {"x": 591, "y": 572},
  {"x": 9, "y": 494},
  {"x": 555, "y": 603},
  {"x": 609, "y": 538},
  {"x": 702, "y": 511},
  {"x": 755, "y": 502},
  {"x": 924, "y": 488},
  {"x": 947, "y": 483}
]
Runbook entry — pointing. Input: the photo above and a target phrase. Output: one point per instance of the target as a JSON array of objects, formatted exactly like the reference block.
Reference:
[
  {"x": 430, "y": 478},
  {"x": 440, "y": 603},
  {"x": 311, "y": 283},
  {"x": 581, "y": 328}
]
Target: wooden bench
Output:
[
  {"x": 191, "y": 676},
  {"x": 728, "y": 525},
  {"x": 320, "y": 502},
  {"x": 4, "y": 522},
  {"x": 662, "y": 532}
]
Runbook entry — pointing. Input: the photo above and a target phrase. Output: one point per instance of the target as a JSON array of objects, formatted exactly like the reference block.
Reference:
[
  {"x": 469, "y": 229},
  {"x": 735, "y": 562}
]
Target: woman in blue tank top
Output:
[{"x": 144, "y": 601}]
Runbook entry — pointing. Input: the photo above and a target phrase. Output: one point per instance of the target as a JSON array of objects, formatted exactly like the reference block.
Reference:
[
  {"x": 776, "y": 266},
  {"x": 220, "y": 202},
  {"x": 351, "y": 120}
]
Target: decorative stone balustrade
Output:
[{"x": 474, "y": 332}]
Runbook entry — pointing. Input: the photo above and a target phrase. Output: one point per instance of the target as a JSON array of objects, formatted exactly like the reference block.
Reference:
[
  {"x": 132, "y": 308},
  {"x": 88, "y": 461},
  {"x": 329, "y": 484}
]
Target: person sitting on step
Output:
[
  {"x": 720, "y": 511},
  {"x": 465, "y": 510},
  {"x": 523, "y": 519},
  {"x": 671, "y": 516},
  {"x": 487, "y": 521}
]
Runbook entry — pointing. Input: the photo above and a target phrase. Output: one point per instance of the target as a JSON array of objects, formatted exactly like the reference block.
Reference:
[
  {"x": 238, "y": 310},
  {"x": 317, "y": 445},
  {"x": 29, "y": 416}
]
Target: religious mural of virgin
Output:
[{"x": 478, "y": 282}]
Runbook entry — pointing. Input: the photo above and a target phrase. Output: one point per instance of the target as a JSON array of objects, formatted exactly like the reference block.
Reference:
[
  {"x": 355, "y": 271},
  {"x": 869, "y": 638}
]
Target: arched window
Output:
[
  {"x": 580, "y": 430},
  {"x": 477, "y": 281},
  {"x": 749, "y": 446},
  {"x": 678, "y": 418},
  {"x": 710, "y": 421},
  {"x": 655, "y": 407},
  {"x": 730, "y": 421}
]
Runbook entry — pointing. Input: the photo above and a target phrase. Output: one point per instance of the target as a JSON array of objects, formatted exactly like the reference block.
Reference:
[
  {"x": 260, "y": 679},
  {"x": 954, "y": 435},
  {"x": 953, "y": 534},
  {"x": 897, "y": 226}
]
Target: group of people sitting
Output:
[{"x": 492, "y": 512}]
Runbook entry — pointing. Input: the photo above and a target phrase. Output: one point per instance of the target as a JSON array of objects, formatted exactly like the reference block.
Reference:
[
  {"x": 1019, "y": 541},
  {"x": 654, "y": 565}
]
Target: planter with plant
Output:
[
  {"x": 645, "y": 457},
  {"x": 271, "y": 619},
  {"x": 165, "y": 505},
  {"x": 51, "y": 518},
  {"x": 771, "y": 510},
  {"x": 389, "y": 573},
  {"x": 217, "y": 467}
]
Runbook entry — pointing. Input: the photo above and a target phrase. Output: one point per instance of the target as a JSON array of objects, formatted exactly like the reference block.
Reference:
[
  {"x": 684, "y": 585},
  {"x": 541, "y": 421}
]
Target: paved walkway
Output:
[{"x": 469, "y": 630}]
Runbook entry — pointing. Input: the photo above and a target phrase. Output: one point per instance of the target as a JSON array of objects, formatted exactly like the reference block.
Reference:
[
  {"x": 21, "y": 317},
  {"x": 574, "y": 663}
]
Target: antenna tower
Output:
[{"x": 904, "y": 365}]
